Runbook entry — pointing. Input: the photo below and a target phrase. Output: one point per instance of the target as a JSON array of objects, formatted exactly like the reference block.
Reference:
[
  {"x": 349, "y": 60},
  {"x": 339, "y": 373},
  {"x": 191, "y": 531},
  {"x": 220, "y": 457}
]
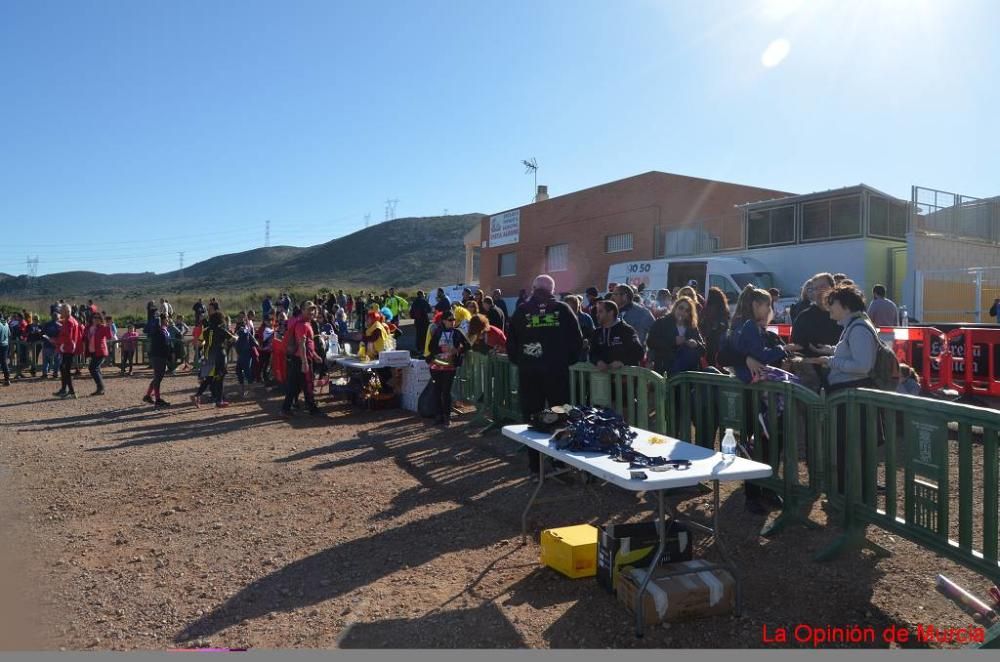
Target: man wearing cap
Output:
[{"x": 544, "y": 341}]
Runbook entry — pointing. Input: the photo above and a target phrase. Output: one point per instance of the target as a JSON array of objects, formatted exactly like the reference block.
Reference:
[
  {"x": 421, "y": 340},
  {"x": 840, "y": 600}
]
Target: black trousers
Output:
[
  {"x": 3, "y": 361},
  {"x": 420, "y": 327},
  {"x": 128, "y": 357},
  {"x": 66, "y": 372},
  {"x": 95, "y": 371},
  {"x": 539, "y": 387},
  {"x": 296, "y": 384},
  {"x": 443, "y": 380},
  {"x": 159, "y": 369}
]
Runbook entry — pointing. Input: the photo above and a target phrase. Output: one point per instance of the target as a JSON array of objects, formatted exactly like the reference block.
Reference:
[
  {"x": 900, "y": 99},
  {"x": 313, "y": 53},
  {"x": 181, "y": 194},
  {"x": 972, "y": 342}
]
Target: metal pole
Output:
[{"x": 979, "y": 298}]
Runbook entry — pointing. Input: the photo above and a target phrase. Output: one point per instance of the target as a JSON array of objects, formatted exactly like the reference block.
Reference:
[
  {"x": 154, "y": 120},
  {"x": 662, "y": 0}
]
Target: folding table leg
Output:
[
  {"x": 661, "y": 527},
  {"x": 531, "y": 501}
]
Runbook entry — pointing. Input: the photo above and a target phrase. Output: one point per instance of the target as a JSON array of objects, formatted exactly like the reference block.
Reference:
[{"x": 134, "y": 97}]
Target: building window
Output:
[
  {"x": 831, "y": 219},
  {"x": 618, "y": 243},
  {"x": 557, "y": 258},
  {"x": 771, "y": 227},
  {"x": 507, "y": 264}
]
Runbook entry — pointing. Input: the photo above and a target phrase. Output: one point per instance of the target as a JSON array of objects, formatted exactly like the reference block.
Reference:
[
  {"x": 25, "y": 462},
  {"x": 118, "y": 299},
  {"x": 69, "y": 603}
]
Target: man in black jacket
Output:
[
  {"x": 614, "y": 343},
  {"x": 544, "y": 341},
  {"x": 420, "y": 313},
  {"x": 814, "y": 326},
  {"x": 500, "y": 303}
]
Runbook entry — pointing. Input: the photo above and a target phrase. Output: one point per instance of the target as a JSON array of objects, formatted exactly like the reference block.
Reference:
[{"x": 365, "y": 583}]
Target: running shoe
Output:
[
  {"x": 147, "y": 398},
  {"x": 196, "y": 400},
  {"x": 161, "y": 403}
]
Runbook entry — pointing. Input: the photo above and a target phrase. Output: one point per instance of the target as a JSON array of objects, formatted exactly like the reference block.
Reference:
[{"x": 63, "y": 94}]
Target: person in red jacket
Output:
[
  {"x": 96, "y": 348},
  {"x": 70, "y": 336}
]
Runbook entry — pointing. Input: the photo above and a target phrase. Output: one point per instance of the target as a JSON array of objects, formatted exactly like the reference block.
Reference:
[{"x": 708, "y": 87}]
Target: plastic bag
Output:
[{"x": 427, "y": 404}]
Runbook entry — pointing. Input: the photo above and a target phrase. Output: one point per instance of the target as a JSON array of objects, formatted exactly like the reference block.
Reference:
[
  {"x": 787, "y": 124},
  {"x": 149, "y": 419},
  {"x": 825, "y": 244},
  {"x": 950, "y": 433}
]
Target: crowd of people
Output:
[{"x": 833, "y": 345}]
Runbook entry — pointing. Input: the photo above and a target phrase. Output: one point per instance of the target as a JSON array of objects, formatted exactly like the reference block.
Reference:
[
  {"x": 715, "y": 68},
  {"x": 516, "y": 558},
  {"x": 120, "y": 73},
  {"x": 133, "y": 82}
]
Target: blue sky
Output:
[{"x": 131, "y": 130}]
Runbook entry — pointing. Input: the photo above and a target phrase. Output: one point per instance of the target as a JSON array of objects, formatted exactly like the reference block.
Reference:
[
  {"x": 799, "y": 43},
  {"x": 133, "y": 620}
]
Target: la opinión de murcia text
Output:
[{"x": 822, "y": 635}]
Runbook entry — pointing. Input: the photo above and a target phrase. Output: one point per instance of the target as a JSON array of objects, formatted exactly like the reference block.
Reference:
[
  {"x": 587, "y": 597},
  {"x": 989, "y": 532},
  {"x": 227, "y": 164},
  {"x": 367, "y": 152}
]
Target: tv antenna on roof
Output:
[{"x": 531, "y": 166}]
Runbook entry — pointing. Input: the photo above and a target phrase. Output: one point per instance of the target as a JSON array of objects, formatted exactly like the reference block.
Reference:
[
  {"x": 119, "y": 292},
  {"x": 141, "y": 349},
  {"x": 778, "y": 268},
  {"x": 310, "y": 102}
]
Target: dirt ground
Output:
[{"x": 126, "y": 527}]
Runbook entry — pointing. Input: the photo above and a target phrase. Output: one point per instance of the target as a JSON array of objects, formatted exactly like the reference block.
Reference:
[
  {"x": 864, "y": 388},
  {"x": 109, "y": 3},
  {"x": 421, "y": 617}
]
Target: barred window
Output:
[{"x": 618, "y": 243}]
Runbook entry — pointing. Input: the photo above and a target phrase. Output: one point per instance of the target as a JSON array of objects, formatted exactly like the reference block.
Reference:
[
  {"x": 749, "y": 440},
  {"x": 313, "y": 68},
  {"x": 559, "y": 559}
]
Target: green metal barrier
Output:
[
  {"x": 700, "y": 406},
  {"x": 635, "y": 393},
  {"x": 506, "y": 405},
  {"x": 474, "y": 385},
  {"x": 939, "y": 458},
  {"x": 23, "y": 356}
]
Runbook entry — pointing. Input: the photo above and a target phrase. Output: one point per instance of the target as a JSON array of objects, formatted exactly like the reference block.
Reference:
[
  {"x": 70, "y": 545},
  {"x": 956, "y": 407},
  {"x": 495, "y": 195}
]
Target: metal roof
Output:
[{"x": 819, "y": 195}]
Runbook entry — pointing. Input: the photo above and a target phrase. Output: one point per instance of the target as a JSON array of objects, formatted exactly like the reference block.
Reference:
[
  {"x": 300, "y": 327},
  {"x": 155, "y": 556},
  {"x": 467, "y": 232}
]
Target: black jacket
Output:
[
  {"x": 544, "y": 334},
  {"x": 420, "y": 311},
  {"x": 814, "y": 326},
  {"x": 502, "y": 305},
  {"x": 619, "y": 343},
  {"x": 458, "y": 341},
  {"x": 661, "y": 340},
  {"x": 496, "y": 317},
  {"x": 797, "y": 309},
  {"x": 995, "y": 311}
]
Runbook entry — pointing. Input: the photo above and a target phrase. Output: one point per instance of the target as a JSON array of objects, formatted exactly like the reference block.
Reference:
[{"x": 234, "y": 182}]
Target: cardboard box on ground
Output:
[
  {"x": 701, "y": 592},
  {"x": 621, "y": 545}
]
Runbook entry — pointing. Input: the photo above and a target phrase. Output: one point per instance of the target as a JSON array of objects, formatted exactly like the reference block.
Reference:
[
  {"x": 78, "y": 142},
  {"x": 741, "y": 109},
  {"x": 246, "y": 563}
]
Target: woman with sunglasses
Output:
[
  {"x": 675, "y": 339},
  {"x": 444, "y": 356}
]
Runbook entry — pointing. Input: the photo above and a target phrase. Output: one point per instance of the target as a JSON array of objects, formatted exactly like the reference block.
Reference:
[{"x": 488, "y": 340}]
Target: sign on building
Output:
[{"x": 505, "y": 228}]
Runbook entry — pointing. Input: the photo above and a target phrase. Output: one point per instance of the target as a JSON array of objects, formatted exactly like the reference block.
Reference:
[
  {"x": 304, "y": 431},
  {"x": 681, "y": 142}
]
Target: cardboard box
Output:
[
  {"x": 700, "y": 593},
  {"x": 572, "y": 550},
  {"x": 396, "y": 358},
  {"x": 622, "y": 545}
]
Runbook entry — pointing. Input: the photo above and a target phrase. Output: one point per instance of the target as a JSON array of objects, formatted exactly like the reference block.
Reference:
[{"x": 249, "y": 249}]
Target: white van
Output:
[
  {"x": 730, "y": 274},
  {"x": 453, "y": 292}
]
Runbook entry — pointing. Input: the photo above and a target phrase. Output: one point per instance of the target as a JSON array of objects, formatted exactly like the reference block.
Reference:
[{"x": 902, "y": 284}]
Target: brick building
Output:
[{"x": 577, "y": 236}]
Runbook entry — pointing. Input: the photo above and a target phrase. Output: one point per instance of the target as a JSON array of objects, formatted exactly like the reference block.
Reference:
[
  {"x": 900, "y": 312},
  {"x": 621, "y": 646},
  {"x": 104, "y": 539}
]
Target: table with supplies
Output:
[{"x": 704, "y": 465}]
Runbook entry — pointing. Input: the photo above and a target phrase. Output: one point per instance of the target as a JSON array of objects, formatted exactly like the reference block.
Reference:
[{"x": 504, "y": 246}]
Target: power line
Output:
[{"x": 390, "y": 208}]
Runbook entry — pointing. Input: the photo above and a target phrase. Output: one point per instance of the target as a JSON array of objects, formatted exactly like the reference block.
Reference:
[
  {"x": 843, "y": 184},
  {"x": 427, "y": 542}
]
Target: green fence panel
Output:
[
  {"x": 942, "y": 455},
  {"x": 635, "y": 393},
  {"x": 506, "y": 405},
  {"x": 702, "y": 405}
]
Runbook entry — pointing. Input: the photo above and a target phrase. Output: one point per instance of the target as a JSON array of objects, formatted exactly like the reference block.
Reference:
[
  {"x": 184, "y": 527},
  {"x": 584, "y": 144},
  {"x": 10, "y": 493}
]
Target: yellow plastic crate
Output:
[{"x": 572, "y": 550}]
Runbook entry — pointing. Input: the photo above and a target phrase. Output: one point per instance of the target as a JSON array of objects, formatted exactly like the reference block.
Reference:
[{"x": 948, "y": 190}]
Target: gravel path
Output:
[{"x": 127, "y": 527}]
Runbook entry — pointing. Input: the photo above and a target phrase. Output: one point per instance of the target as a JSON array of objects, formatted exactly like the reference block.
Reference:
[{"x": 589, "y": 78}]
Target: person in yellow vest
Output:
[
  {"x": 376, "y": 334},
  {"x": 397, "y": 305},
  {"x": 435, "y": 324}
]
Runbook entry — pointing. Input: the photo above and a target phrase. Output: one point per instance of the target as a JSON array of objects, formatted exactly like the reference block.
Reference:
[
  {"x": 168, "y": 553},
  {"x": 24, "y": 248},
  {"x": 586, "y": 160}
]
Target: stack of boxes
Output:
[{"x": 415, "y": 379}]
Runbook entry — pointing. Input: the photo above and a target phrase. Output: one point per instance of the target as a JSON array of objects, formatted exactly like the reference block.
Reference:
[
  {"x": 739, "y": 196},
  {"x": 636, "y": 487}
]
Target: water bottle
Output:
[
  {"x": 729, "y": 446},
  {"x": 904, "y": 316}
]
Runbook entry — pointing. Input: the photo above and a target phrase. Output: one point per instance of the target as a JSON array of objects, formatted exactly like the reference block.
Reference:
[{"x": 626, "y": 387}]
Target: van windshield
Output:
[{"x": 760, "y": 279}]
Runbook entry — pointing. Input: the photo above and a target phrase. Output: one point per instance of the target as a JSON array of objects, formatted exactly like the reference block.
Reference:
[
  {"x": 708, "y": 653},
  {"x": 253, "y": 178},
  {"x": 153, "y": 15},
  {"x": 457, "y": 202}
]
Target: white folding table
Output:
[
  {"x": 354, "y": 363},
  {"x": 706, "y": 465}
]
